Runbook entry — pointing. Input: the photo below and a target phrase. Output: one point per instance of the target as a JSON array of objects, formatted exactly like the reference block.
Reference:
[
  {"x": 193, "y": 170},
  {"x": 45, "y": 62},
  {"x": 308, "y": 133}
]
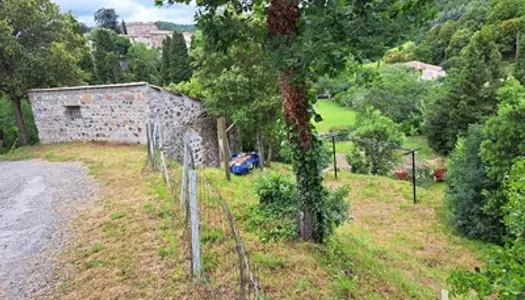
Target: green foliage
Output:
[
  {"x": 107, "y": 18},
  {"x": 505, "y": 131},
  {"x": 175, "y": 63},
  {"x": 466, "y": 181},
  {"x": 400, "y": 54},
  {"x": 40, "y": 47},
  {"x": 8, "y": 123},
  {"x": 519, "y": 66},
  {"x": 504, "y": 274},
  {"x": 275, "y": 189},
  {"x": 358, "y": 160},
  {"x": 112, "y": 69},
  {"x": 275, "y": 217},
  {"x": 468, "y": 93},
  {"x": 398, "y": 94},
  {"x": 378, "y": 137},
  {"x": 290, "y": 32},
  {"x": 144, "y": 64},
  {"x": 162, "y": 25}
]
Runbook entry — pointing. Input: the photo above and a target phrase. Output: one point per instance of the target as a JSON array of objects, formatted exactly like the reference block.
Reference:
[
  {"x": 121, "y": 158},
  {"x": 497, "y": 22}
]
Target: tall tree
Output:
[
  {"x": 143, "y": 64},
  {"x": 165, "y": 61},
  {"x": 470, "y": 91},
  {"x": 293, "y": 33},
  {"x": 107, "y": 18},
  {"x": 103, "y": 45},
  {"x": 39, "y": 47},
  {"x": 180, "y": 69},
  {"x": 175, "y": 60}
]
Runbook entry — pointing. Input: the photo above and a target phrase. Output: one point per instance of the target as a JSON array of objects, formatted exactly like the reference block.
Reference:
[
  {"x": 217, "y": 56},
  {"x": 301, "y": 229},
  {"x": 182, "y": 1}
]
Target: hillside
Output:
[
  {"x": 163, "y": 25},
  {"x": 128, "y": 242}
]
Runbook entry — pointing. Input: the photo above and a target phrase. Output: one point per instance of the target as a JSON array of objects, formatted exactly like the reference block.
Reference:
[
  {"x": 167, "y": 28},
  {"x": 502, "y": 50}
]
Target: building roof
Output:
[
  {"x": 88, "y": 87},
  {"x": 422, "y": 66},
  {"x": 109, "y": 86}
]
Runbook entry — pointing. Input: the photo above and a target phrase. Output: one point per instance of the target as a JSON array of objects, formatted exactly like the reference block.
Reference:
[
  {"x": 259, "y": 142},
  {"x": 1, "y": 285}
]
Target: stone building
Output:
[
  {"x": 120, "y": 113},
  {"x": 150, "y": 35}
]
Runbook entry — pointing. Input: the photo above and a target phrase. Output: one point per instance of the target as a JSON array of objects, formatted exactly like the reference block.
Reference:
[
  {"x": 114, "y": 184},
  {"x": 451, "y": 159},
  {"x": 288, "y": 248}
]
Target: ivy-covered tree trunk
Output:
[
  {"x": 17, "y": 107},
  {"x": 283, "y": 17}
]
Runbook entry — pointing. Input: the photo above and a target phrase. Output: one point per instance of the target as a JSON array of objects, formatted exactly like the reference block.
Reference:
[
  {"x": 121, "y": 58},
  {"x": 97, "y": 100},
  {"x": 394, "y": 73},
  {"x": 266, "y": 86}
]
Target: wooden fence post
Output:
[
  {"x": 223, "y": 141},
  {"x": 194, "y": 219},
  {"x": 184, "y": 188}
]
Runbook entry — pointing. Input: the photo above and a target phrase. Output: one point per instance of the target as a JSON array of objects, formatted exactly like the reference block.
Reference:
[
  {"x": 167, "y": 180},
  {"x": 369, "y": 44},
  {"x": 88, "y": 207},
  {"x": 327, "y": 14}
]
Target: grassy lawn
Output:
[
  {"x": 333, "y": 115},
  {"x": 127, "y": 244}
]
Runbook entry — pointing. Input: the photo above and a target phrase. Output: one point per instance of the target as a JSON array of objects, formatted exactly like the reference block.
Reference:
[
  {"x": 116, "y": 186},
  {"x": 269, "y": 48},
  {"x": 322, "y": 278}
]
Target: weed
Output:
[
  {"x": 212, "y": 235},
  {"x": 209, "y": 261},
  {"x": 269, "y": 261},
  {"x": 93, "y": 263},
  {"x": 117, "y": 215}
]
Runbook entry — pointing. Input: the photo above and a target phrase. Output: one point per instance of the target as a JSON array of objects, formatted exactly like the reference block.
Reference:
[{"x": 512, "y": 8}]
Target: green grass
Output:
[
  {"x": 391, "y": 249},
  {"x": 333, "y": 115}
]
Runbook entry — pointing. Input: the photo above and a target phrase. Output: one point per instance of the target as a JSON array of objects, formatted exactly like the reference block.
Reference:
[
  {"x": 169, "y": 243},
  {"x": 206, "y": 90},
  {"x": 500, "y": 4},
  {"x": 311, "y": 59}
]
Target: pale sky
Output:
[{"x": 130, "y": 10}]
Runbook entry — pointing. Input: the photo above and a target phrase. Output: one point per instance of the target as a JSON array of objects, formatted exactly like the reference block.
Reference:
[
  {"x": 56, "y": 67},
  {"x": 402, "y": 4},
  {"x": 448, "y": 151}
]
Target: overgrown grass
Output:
[{"x": 128, "y": 244}]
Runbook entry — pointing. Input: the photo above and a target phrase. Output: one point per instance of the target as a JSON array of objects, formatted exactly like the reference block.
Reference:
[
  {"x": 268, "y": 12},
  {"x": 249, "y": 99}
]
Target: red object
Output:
[
  {"x": 402, "y": 175},
  {"x": 439, "y": 175}
]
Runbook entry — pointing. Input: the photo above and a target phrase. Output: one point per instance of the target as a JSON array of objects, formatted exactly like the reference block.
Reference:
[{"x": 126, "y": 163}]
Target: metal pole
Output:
[
  {"x": 335, "y": 160},
  {"x": 414, "y": 174}
]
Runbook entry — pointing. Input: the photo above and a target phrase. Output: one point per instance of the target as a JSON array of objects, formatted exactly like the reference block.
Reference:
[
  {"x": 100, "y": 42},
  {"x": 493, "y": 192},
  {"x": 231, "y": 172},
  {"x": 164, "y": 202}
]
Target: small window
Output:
[{"x": 73, "y": 112}]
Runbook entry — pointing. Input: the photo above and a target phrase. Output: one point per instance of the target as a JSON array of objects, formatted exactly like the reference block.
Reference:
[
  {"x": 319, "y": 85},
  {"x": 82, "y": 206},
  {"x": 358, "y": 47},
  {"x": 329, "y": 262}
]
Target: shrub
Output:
[
  {"x": 504, "y": 273},
  {"x": 466, "y": 181},
  {"x": 358, "y": 160},
  {"x": 336, "y": 205},
  {"x": 378, "y": 137},
  {"x": 276, "y": 215},
  {"x": 275, "y": 189}
]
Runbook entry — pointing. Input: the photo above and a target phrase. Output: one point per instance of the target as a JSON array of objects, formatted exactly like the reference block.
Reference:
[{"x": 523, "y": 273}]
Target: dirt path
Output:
[{"x": 37, "y": 199}]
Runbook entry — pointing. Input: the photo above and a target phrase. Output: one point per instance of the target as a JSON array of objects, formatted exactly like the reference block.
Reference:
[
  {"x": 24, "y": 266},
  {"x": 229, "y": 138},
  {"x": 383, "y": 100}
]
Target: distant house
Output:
[
  {"x": 428, "y": 72},
  {"x": 150, "y": 35}
]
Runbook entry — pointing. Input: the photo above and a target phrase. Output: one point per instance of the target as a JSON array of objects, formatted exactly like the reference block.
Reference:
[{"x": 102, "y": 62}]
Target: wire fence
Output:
[{"x": 210, "y": 243}]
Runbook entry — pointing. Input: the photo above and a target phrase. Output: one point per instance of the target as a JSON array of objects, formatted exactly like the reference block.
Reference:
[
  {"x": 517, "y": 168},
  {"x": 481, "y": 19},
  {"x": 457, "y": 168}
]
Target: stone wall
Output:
[
  {"x": 115, "y": 113},
  {"x": 119, "y": 113},
  {"x": 184, "y": 120}
]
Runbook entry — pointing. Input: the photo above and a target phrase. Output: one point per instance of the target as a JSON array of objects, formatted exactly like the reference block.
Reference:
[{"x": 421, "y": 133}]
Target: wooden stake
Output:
[{"x": 221, "y": 122}]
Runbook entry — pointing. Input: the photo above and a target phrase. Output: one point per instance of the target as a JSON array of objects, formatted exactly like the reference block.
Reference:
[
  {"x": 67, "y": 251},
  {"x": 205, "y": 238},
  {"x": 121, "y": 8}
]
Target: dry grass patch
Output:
[
  {"x": 115, "y": 250},
  {"x": 401, "y": 250},
  {"x": 129, "y": 244}
]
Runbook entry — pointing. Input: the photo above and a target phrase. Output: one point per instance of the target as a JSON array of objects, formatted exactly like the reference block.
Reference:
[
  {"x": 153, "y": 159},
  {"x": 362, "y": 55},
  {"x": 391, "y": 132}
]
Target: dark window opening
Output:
[{"x": 73, "y": 112}]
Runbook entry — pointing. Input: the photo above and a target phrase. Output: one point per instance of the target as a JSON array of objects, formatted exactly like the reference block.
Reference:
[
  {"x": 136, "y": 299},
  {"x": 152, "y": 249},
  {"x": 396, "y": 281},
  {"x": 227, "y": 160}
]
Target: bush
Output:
[
  {"x": 276, "y": 215},
  {"x": 378, "y": 137},
  {"x": 357, "y": 159},
  {"x": 504, "y": 274},
  {"x": 466, "y": 181},
  {"x": 275, "y": 189}
]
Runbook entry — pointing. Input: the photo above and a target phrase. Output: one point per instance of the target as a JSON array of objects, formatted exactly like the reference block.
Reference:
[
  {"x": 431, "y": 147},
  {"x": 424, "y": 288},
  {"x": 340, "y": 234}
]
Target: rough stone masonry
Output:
[{"x": 120, "y": 112}]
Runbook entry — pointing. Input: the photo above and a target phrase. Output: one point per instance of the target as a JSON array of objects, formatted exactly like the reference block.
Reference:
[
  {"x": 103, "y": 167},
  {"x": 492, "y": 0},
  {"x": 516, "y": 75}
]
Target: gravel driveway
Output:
[{"x": 37, "y": 198}]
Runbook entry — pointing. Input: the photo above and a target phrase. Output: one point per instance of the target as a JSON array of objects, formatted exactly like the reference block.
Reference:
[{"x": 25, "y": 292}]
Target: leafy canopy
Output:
[{"x": 40, "y": 47}]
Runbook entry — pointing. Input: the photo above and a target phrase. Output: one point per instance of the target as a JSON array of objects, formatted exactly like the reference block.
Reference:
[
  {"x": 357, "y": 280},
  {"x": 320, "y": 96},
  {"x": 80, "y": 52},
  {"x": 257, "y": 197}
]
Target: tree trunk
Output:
[
  {"x": 17, "y": 107},
  {"x": 283, "y": 17},
  {"x": 269, "y": 157},
  {"x": 518, "y": 45},
  {"x": 260, "y": 148}
]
